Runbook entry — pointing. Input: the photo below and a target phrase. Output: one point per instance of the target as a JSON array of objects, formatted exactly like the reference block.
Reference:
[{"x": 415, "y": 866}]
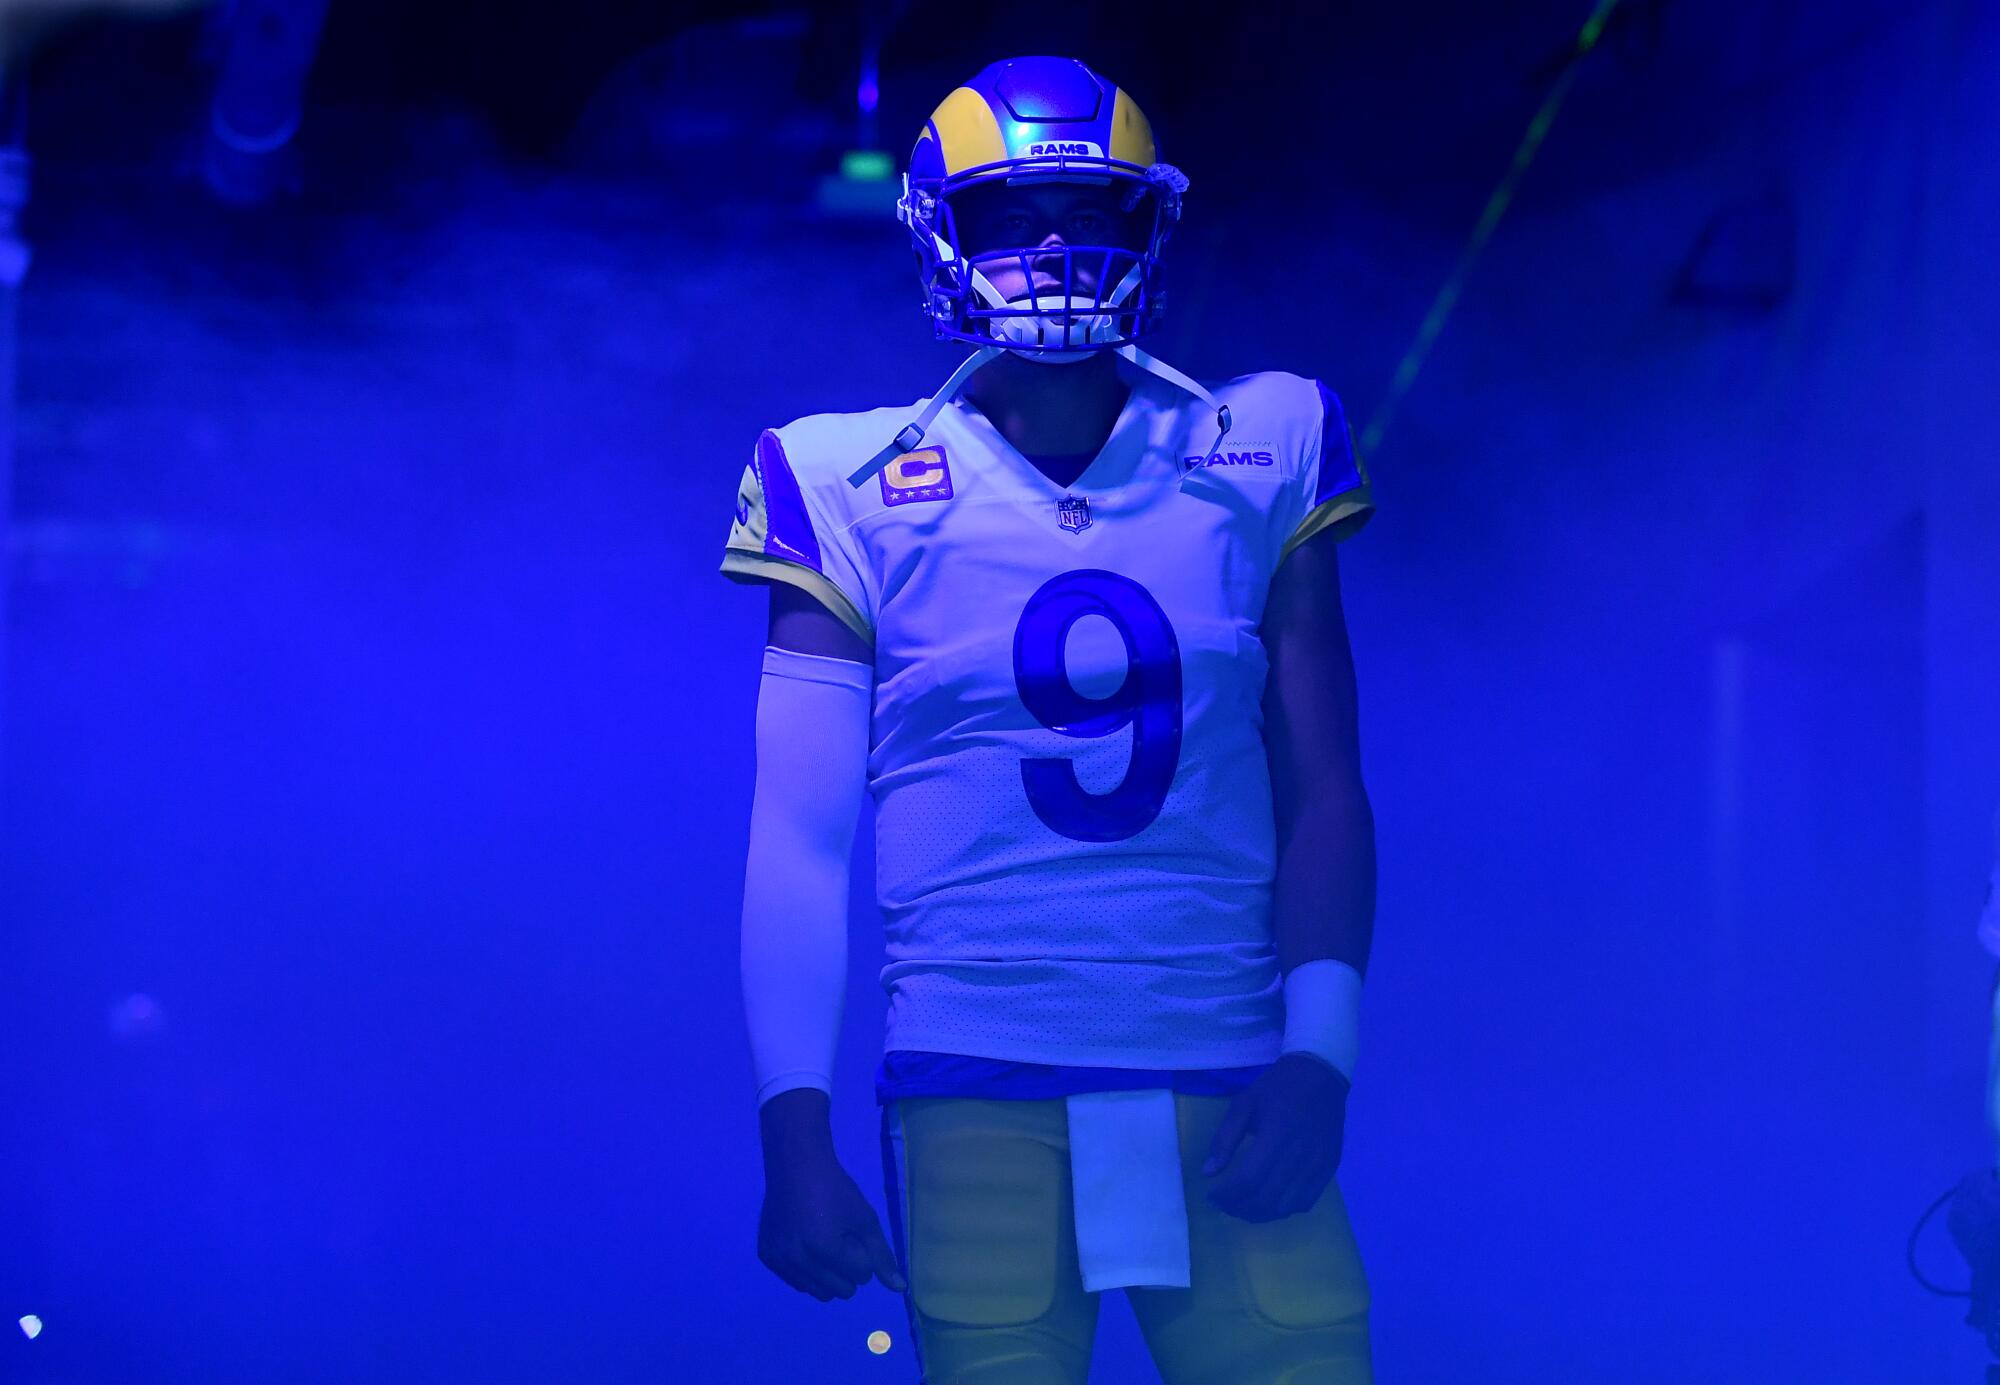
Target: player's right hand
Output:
[{"x": 819, "y": 1234}]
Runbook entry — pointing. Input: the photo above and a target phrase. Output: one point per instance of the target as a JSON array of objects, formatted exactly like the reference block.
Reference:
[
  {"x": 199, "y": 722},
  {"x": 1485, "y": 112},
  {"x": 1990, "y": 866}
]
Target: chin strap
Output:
[
  {"x": 1186, "y": 382},
  {"x": 912, "y": 435}
]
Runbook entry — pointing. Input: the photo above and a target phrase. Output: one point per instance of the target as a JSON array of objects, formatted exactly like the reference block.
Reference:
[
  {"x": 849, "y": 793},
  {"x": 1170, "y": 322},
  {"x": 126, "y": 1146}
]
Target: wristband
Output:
[{"x": 1323, "y": 1013}]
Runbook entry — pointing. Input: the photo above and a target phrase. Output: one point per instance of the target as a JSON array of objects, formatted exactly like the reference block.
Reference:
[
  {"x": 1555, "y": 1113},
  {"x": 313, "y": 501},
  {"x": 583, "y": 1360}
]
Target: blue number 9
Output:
[{"x": 1149, "y": 701}]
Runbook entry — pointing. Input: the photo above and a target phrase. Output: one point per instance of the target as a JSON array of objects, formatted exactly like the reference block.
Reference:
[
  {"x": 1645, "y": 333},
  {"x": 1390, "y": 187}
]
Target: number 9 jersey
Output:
[{"x": 1074, "y": 836}]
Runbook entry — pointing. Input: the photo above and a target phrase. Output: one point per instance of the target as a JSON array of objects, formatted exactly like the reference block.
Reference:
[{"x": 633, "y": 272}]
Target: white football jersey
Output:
[{"x": 1074, "y": 837}]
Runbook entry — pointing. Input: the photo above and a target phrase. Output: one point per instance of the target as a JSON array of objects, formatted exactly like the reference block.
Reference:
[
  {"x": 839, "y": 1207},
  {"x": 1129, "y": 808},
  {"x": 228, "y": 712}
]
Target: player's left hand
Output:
[{"x": 1279, "y": 1142}]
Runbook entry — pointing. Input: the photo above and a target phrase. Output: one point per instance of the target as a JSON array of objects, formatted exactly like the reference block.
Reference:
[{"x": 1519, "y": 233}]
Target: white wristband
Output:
[{"x": 1323, "y": 1013}]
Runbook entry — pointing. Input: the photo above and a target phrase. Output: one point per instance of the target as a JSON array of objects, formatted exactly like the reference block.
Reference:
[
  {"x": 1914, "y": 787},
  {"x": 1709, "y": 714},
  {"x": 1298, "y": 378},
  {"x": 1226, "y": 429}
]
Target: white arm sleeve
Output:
[{"x": 812, "y": 770}]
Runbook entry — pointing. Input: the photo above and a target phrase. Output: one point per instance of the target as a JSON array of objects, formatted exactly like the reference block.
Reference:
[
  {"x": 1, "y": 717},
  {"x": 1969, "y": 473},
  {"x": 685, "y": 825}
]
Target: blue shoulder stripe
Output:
[
  {"x": 1338, "y": 471},
  {"x": 788, "y": 531}
]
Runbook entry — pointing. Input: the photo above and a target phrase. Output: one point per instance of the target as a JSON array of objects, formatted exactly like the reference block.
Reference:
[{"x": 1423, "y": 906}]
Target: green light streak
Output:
[{"x": 1496, "y": 206}]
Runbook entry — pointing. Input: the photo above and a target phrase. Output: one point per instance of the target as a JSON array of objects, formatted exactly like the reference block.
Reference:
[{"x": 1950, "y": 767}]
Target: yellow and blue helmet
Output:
[{"x": 1030, "y": 120}]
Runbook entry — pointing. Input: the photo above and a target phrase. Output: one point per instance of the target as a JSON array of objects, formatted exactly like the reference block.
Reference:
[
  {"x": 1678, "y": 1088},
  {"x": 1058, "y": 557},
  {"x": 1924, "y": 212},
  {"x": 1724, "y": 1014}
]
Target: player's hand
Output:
[
  {"x": 1279, "y": 1142},
  {"x": 819, "y": 1234}
]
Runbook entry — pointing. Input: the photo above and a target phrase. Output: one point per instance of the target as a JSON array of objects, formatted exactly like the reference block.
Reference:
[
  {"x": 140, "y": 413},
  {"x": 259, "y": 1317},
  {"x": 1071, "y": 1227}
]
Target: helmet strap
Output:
[
  {"x": 1175, "y": 377},
  {"x": 912, "y": 435}
]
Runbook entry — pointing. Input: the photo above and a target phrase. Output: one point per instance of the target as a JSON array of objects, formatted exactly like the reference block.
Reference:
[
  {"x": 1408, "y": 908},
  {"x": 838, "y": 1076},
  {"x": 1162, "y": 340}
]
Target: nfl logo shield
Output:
[{"x": 1073, "y": 513}]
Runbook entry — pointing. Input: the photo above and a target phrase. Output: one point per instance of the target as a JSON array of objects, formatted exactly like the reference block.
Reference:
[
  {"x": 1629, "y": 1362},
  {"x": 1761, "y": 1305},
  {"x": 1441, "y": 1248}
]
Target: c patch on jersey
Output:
[{"x": 921, "y": 475}]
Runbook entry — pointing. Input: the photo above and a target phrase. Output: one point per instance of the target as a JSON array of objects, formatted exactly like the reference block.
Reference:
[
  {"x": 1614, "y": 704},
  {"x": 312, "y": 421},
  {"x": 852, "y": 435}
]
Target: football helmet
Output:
[
  {"x": 1022, "y": 122},
  {"x": 1039, "y": 120}
]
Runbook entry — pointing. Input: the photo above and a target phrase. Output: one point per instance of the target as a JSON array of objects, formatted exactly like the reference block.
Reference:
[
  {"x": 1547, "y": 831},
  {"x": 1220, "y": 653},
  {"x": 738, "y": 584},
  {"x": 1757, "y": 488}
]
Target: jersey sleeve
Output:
[
  {"x": 783, "y": 531},
  {"x": 1331, "y": 490}
]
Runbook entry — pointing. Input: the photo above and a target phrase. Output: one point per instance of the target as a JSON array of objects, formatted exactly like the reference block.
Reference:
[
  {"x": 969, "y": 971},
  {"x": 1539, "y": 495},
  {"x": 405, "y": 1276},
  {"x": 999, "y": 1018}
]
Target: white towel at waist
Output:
[{"x": 1125, "y": 1168}]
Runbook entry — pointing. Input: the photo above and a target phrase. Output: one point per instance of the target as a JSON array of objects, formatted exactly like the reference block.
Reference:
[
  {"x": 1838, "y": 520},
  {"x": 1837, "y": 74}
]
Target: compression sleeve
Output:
[{"x": 812, "y": 769}]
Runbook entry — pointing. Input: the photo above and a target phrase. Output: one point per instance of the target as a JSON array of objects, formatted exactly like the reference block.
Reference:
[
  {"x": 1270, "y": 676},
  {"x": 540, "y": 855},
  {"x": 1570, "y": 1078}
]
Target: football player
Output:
[{"x": 1074, "y": 624}]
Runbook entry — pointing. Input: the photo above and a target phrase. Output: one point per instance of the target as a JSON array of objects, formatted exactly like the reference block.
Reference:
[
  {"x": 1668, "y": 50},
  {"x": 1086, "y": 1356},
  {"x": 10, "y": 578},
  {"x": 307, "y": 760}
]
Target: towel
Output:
[{"x": 1125, "y": 1171}]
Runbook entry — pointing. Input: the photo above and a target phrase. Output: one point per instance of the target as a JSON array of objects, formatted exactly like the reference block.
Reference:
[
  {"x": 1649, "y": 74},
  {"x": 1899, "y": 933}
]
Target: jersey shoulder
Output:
[
  {"x": 1296, "y": 404},
  {"x": 823, "y": 449},
  {"x": 1297, "y": 426},
  {"x": 1279, "y": 390},
  {"x": 796, "y": 514},
  {"x": 1274, "y": 420}
]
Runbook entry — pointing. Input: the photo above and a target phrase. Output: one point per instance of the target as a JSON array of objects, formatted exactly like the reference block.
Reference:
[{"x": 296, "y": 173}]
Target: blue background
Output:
[{"x": 377, "y": 729}]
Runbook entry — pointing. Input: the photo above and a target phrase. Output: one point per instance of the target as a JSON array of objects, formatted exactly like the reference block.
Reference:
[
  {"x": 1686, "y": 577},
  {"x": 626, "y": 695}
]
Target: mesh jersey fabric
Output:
[{"x": 1074, "y": 839}]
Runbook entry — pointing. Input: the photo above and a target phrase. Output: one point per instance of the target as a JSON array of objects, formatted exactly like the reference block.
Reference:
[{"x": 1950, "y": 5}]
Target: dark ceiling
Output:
[{"x": 1415, "y": 106}]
